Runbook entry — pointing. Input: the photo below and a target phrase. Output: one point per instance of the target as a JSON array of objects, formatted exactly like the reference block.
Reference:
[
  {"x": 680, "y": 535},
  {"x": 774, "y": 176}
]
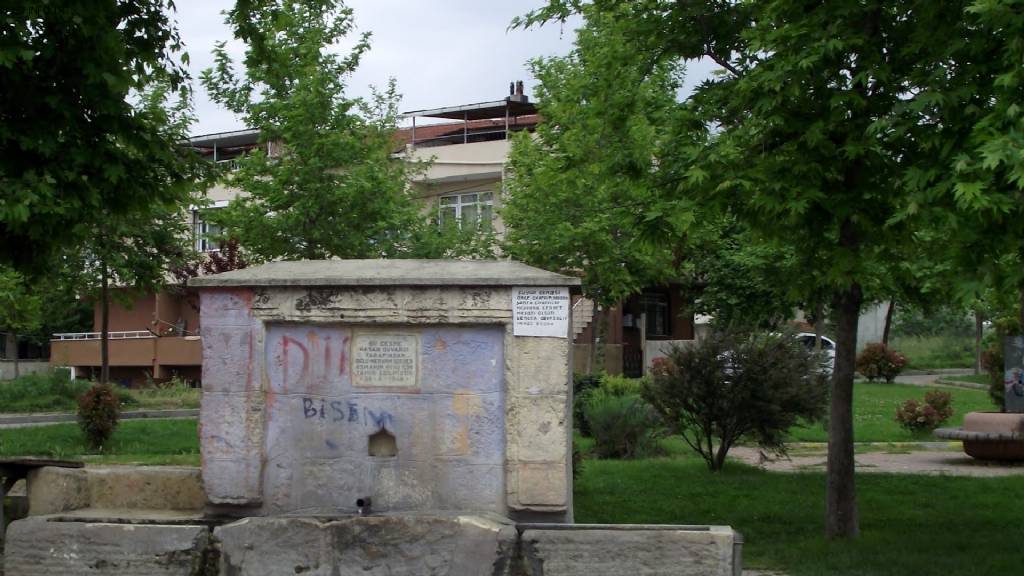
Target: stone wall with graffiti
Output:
[
  {"x": 433, "y": 395},
  {"x": 420, "y": 398}
]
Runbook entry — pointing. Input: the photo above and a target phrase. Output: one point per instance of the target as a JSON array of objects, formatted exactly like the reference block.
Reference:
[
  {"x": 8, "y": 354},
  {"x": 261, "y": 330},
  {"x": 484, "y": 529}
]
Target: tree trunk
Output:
[
  {"x": 592, "y": 360},
  {"x": 841, "y": 497},
  {"x": 818, "y": 321},
  {"x": 17, "y": 369},
  {"x": 888, "y": 322},
  {"x": 1020, "y": 328},
  {"x": 723, "y": 449},
  {"x": 978, "y": 329},
  {"x": 104, "y": 324}
]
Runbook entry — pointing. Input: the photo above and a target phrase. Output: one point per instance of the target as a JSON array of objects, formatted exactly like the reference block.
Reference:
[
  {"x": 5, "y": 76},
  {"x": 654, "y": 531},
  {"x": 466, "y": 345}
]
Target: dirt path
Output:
[{"x": 896, "y": 460}]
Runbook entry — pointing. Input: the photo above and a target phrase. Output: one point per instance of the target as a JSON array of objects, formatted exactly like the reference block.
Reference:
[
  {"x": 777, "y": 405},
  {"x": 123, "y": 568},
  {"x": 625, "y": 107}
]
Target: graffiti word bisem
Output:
[{"x": 345, "y": 411}]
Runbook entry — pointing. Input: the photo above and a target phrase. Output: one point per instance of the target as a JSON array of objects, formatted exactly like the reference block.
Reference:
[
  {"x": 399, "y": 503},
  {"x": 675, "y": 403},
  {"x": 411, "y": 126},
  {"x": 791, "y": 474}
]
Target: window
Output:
[
  {"x": 655, "y": 307},
  {"x": 205, "y": 233},
  {"x": 476, "y": 208}
]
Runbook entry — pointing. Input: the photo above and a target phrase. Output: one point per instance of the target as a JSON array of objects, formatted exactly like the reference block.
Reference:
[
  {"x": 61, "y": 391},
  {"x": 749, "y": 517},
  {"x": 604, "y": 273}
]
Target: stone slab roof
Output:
[{"x": 387, "y": 273}]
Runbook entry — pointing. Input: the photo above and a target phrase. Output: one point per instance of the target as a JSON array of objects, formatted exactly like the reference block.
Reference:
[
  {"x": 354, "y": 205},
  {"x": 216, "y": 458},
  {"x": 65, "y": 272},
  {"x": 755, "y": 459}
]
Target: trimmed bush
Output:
[
  {"x": 918, "y": 416},
  {"x": 98, "y": 414},
  {"x": 732, "y": 386},
  {"x": 622, "y": 426},
  {"x": 876, "y": 361},
  {"x": 582, "y": 384}
]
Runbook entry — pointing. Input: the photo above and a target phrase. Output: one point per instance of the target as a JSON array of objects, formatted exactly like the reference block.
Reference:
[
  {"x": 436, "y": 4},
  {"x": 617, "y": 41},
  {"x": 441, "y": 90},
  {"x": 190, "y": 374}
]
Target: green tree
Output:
[
  {"x": 329, "y": 186},
  {"x": 74, "y": 148},
  {"x": 20, "y": 307},
  {"x": 584, "y": 193},
  {"x": 829, "y": 127},
  {"x": 137, "y": 251}
]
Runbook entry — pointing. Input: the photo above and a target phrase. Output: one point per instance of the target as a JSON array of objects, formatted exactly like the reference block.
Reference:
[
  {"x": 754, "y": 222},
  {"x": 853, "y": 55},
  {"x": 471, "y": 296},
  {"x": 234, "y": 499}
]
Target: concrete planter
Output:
[{"x": 990, "y": 435}]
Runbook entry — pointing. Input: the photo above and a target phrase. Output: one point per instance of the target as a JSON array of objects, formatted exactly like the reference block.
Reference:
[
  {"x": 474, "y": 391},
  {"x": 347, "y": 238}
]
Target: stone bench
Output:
[{"x": 989, "y": 435}]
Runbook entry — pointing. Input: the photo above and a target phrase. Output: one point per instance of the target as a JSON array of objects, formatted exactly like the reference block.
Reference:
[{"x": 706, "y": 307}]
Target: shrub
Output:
[
  {"x": 98, "y": 413},
  {"x": 992, "y": 362},
  {"x": 918, "y": 416},
  {"x": 577, "y": 461},
  {"x": 582, "y": 384},
  {"x": 584, "y": 387},
  {"x": 621, "y": 386},
  {"x": 622, "y": 426},
  {"x": 730, "y": 386},
  {"x": 876, "y": 361}
]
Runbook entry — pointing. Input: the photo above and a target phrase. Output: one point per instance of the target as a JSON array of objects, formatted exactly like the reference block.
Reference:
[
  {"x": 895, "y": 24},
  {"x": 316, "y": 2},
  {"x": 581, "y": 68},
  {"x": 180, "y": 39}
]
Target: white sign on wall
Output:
[{"x": 540, "y": 312}]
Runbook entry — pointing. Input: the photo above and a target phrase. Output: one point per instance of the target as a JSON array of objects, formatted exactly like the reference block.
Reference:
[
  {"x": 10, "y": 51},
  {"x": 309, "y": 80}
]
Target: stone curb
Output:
[
  {"x": 961, "y": 384},
  {"x": 938, "y": 372},
  {"x": 7, "y": 419}
]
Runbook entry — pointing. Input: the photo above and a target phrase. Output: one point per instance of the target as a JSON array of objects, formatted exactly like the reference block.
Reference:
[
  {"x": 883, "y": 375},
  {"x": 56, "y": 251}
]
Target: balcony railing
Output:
[{"x": 120, "y": 335}]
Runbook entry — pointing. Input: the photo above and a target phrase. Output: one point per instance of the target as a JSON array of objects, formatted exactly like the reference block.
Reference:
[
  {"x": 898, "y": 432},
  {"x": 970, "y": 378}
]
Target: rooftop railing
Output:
[{"x": 112, "y": 335}]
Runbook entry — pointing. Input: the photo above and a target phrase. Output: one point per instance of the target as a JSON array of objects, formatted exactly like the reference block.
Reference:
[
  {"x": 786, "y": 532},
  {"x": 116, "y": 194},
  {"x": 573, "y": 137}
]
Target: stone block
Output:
[
  {"x": 231, "y": 425},
  {"x": 541, "y": 366},
  {"x": 541, "y": 484},
  {"x": 461, "y": 358},
  {"x": 41, "y": 546},
  {"x": 146, "y": 487},
  {"x": 227, "y": 359},
  {"x": 539, "y": 428},
  {"x": 232, "y": 307},
  {"x": 232, "y": 481},
  {"x": 470, "y": 487},
  {"x": 471, "y": 427},
  {"x": 608, "y": 550},
  {"x": 52, "y": 489},
  {"x": 421, "y": 545}
]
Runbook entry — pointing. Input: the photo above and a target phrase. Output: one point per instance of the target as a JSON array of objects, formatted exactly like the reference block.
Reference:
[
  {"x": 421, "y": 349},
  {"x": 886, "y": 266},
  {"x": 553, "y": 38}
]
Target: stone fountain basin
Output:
[{"x": 989, "y": 435}]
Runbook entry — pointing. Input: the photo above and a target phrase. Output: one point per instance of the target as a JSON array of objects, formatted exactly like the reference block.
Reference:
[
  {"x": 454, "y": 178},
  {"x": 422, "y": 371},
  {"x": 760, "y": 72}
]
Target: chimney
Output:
[{"x": 515, "y": 91}]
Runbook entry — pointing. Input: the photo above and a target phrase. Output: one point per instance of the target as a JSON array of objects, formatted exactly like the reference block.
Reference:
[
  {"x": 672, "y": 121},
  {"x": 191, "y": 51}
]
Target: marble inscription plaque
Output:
[{"x": 381, "y": 360}]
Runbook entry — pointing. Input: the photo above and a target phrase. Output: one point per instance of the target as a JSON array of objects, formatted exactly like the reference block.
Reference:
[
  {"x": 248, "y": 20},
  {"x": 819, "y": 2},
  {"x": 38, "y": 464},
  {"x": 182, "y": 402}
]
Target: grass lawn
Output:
[
  {"x": 169, "y": 441},
  {"x": 52, "y": 392},
  {"x": 934, "y": 352},
  {"x": 974, "y": 378},
  {"x": 918, "y": 525},
  {"x": 874, "y": 412}
]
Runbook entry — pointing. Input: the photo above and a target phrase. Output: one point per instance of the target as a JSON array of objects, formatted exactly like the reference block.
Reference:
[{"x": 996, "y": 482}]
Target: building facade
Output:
[{"x": 158, "y": 336}]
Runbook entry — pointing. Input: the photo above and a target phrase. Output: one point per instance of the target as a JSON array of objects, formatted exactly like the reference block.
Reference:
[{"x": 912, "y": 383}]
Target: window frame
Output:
[
  {"x": 201, "y": 231},
  {"x": 460, "y": 203}
]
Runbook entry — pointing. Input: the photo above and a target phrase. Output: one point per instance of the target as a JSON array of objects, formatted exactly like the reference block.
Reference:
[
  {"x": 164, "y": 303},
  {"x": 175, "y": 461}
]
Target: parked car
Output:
[{"x": 828, "y": 349}]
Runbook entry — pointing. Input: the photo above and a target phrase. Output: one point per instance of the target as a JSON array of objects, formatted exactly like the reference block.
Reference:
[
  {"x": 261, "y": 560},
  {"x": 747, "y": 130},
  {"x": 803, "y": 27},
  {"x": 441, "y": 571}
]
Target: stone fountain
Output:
[
  {"x": 997, "y": 435},
  {"x": 379, "y": 417}
]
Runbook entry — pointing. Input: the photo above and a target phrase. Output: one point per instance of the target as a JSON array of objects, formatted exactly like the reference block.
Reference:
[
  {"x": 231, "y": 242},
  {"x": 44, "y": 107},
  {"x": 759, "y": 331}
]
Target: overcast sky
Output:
[{"x": 441, "y": 52}]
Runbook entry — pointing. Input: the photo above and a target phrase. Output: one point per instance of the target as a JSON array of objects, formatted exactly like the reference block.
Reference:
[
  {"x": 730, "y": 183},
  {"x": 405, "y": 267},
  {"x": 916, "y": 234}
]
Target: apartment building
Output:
[{"x": 158, "y": 336}]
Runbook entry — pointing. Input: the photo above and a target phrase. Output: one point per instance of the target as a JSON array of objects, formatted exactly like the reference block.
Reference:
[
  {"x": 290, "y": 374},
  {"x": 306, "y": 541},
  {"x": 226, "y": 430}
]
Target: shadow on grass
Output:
[{"x": 910, "y": 524}]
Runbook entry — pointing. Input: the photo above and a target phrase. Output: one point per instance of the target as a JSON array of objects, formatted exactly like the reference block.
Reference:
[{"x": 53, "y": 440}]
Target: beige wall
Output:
[{"x": 462, "y": 168}]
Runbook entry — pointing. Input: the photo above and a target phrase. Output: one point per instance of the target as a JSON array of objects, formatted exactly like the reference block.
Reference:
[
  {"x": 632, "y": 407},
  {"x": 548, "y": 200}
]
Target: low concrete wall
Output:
[
  {"x": 661, "y": 348},
  {"x": 413, "y": 545},
  {"x": 615, "y": 550},
  {"x": 24, "y": 367},
  {"x": 39, "y": 546},
  {"x": 394, "y": 545},
  {"x": 52, "y": 490}
]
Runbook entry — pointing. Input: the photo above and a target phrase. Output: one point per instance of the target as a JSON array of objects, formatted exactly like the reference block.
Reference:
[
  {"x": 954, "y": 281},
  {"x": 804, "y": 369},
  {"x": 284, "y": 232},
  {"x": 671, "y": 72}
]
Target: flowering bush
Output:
[
  {"x": 876, "y": 361},
  {"x": 98, "y": 413},
  {"x": 919, "y": 416}
]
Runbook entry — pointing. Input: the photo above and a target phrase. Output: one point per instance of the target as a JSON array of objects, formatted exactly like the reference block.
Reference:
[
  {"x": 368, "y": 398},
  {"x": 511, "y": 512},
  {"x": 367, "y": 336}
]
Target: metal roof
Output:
[
  {"x": 226, "y": 139},
  {"x": 478, "y": 111}
]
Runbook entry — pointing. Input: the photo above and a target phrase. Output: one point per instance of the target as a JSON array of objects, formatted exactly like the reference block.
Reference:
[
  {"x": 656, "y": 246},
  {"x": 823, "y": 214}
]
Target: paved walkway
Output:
[
  {"x": 23, "y": 420},
  {"x": 933, "y": 458},
  {"x": 918, "y": 379}
]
